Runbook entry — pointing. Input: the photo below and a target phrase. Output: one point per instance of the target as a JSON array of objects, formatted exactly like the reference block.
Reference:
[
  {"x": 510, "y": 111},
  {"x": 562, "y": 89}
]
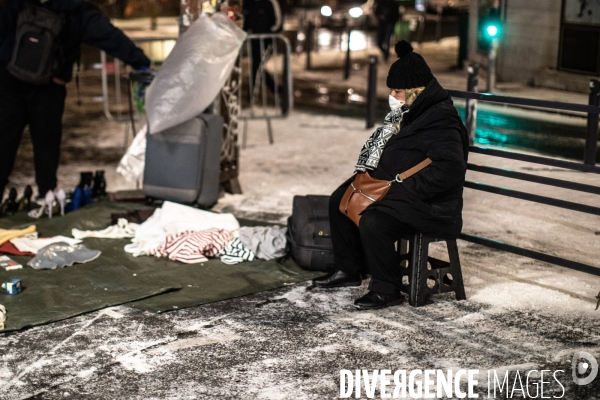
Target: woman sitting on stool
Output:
[{"x": 423, "y": 124}]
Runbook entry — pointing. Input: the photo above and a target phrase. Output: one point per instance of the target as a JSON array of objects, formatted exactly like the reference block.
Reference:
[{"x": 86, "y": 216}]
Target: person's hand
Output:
[{"x": 58, "y": 81}]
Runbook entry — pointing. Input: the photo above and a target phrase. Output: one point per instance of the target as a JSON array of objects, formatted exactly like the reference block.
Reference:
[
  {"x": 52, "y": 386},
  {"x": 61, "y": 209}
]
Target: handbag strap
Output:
[{"x": 410, "y": 172}]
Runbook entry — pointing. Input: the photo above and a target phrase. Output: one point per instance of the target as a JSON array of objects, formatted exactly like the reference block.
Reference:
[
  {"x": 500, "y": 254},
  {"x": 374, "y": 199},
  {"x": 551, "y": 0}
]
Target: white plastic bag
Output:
[
  {"x": 194, "y": 73},
  {"x": 131, "y": 166}
]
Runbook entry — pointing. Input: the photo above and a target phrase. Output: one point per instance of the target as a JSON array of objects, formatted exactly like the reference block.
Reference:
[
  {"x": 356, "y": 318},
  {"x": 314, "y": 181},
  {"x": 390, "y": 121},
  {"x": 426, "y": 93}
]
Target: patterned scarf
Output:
[{"x": 371, "y": 151}]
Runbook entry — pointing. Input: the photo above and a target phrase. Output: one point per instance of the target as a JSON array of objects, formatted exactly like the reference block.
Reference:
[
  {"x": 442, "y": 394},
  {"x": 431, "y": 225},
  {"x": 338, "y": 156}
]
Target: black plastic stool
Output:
[{"x": 443, "y": 276}]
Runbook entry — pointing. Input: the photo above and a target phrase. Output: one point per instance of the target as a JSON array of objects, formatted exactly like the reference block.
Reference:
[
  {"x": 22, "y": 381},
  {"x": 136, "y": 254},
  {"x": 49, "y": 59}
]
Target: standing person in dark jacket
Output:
[
  {"x": 262, "y": 17},
  {"x": 387, "y": 13},
  {"x": 41, "y": 106},
  {"x": 423, "y": 124}
]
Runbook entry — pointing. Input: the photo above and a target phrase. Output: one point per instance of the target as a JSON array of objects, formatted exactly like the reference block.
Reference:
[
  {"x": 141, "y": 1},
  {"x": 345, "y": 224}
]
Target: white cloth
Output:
[
  {"x": 175, "y": 218},
  {"x": 123, "y": 229},
  {"x": 28, "y": 245}
]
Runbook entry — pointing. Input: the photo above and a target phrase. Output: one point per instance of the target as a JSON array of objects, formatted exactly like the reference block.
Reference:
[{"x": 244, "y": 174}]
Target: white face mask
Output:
[{"x": 395, "y": 103}]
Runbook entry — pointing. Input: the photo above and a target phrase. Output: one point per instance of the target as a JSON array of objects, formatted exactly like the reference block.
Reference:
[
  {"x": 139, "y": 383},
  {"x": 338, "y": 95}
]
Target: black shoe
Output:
[
  {"x": 12, "y": 201},
  {"x": 374, "y": 300},
  {"x": 86, "y": 179},
  {"x": 99, "y": 187},
  {"x": 337, "y": 279},
  {"x": 24, "y": 204},
  {"x": 10, "y": 204}
]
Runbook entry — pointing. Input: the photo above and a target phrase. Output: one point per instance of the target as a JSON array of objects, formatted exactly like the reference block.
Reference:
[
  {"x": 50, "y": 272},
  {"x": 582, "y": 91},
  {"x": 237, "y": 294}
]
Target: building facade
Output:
[{"x": 542, "y": 40}]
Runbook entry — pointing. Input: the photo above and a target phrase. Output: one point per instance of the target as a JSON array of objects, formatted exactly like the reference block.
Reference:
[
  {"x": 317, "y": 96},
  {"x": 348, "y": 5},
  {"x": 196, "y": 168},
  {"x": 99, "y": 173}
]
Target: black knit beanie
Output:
[{"x": 410, "y": 70}]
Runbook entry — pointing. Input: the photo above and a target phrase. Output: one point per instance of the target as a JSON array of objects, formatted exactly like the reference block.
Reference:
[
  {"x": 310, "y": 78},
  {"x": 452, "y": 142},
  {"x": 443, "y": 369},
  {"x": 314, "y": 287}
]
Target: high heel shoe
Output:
[
  {"x": 99, "y": 188},
  {"x": 12, "y": 201},
  {"x": 49, "y": 201},
  {"x": 10, "y": 204},
  {"x": 3, "y": 205},
  {"x": 86, "y": 179},
  {"x": 25, "y": 202},
  {"x": 61, "y": 197},
  {"x": 38, "y": 212}
]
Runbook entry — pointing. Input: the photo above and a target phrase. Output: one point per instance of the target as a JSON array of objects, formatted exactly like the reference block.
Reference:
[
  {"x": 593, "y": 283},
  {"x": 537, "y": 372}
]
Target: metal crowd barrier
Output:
[
  {"x": 156, "y": 49},
  {"x": 588, "y": 166},
  {"x": 277, "y": 80},
  {"x": 270, "y": 90}
]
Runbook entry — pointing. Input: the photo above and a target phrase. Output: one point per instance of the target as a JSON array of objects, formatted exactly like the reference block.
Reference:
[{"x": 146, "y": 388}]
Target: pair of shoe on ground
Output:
[
  {"x": 12, "y": 205},
  {"x": 370, "y": 301},
  {"x": 48, "y": 204}
]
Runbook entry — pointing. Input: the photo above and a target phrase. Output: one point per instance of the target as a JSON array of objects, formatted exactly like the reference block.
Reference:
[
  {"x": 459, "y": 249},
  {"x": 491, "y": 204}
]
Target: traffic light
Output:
[
  {"x": 492, "y": 27},
  {"x": 492, "y": 31}
]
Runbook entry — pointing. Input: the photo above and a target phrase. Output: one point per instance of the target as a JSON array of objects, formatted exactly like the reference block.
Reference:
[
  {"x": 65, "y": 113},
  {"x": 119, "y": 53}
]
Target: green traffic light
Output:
[{"x": 492, "y": 31}]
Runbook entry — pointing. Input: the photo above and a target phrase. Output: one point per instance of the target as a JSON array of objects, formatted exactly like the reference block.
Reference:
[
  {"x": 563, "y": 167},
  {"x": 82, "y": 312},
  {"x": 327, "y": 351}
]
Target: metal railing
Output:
[
  {"x": 592, "y": 109},
  {"x": 588, "y": 166},
  {"x": 534, "y": 198},
  {"x": 151, "y": 47},
  {"x": 261, "y": 50}
]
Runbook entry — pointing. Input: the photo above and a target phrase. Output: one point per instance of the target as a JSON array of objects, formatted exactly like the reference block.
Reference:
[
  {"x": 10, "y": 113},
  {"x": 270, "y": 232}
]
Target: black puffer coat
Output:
[{"x": 430, "y": 201}]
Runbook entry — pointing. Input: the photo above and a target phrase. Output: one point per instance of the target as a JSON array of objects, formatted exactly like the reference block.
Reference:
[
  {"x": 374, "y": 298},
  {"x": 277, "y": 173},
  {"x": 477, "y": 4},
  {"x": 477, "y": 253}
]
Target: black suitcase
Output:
[
  {"x": 309, "y": 234},
  {"x": 183, "y": 162}
]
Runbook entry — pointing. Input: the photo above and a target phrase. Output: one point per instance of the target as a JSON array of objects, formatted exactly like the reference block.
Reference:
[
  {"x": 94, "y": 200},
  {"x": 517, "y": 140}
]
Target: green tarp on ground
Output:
[
  {"x": 116, "y": 277},
  {"x": 50, "y": 296}
]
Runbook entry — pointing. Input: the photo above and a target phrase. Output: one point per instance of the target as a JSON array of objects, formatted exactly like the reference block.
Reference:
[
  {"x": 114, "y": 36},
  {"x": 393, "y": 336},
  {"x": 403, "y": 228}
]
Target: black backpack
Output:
[
  {"x": 309, "y": 234},
  {"x": 37, "y": 52}
]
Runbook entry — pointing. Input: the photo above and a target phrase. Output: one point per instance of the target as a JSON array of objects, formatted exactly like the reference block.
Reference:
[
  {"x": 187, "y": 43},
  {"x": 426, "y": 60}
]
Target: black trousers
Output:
[
  {"x": 281, "y": 88},
  {"x": 384, "y": 33},
  {"x": 368, "y": 248},
  {"x": 41, "y": 107},
  {"x": 257, "y": 60}
]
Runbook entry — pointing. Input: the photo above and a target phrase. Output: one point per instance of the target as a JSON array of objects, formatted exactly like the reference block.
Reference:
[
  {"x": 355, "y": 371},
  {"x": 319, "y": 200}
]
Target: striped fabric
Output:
[
  {"x": 235, "y": 252},
  {"x": 192, "y": 246}
]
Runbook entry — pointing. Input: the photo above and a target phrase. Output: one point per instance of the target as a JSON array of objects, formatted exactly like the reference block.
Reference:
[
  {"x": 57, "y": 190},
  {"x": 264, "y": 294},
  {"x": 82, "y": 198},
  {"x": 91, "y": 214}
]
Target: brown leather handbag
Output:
[{"x": 365, "y": 190}]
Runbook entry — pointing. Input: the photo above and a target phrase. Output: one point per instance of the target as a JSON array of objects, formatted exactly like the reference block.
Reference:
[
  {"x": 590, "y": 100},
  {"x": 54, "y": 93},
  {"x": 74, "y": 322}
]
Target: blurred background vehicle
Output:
[{"x": 340, "y": 14}]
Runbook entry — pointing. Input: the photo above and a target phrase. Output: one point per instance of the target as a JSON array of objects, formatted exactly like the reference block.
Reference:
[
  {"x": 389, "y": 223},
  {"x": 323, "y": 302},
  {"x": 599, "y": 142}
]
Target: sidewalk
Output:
[{"x": 520, "y": 314}]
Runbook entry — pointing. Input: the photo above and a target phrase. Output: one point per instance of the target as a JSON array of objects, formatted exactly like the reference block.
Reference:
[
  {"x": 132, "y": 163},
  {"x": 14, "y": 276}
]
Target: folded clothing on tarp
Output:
[
  {"x": 235, "y": 252},
  {"x": 9, "y": 248},
  {"x": 33, "y": 245},
  {"x": 266, "y": 242},
  {"x": 172, "y": 219},
  {"x": 193, "y": 247},
  {"x": 62, "y": 254},
  {"x": 9, "y": 234}
]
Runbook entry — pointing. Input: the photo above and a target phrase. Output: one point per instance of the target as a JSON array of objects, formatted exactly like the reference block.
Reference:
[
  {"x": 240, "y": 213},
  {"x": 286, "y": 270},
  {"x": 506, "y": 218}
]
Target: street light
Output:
[
  {"x": 326, "y": 11},
  {"x": 355, "y": 12}
]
